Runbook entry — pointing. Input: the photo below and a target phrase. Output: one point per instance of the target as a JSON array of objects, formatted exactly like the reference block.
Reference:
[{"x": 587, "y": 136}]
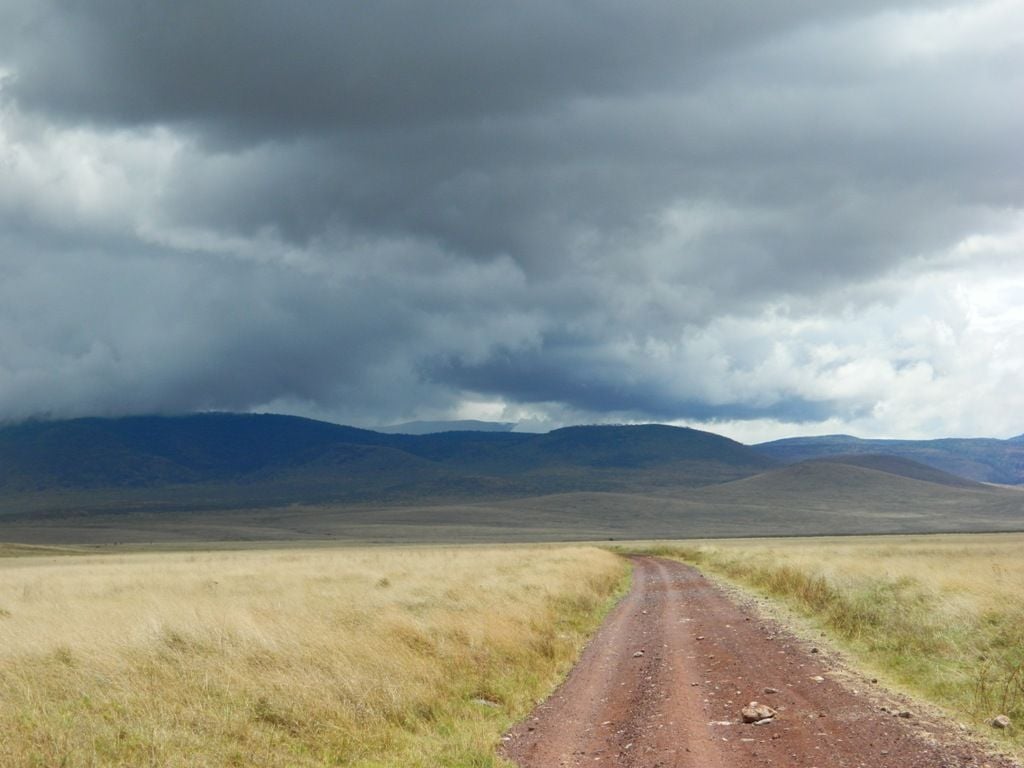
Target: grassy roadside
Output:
[
  {"x": 415, "y": 657},
  {"x": 940, "y": 616}
]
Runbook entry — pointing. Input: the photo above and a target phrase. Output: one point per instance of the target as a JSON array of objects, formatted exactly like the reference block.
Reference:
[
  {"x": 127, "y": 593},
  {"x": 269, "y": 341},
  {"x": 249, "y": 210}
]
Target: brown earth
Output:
[{"x": 663, "y": 683}]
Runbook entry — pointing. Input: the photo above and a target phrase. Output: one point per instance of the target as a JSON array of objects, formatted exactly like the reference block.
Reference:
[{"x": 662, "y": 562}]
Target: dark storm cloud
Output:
[
  {"x": 541, "y": 376},
  {"x": 376, "y": 210},
  {"x": 156, "y": 330},
  {"x": 263, "y": 68}
]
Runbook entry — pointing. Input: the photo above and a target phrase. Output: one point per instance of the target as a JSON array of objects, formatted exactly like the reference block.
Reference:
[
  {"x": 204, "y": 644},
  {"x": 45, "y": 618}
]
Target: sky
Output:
[{"x": 762, "y": 219}]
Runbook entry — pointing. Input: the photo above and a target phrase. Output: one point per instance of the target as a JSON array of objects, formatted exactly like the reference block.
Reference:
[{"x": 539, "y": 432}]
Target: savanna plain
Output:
[
  {"x": 423, "y": 656},
  {"x": 313, "y": 657}
]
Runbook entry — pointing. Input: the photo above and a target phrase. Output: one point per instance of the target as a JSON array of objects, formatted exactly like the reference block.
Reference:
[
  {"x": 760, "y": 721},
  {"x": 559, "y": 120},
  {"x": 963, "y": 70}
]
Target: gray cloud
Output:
[
  {"x": 264, "y": 69},
  {"x": 381, "y": 211},
  {"x": 554, "y": 375}
]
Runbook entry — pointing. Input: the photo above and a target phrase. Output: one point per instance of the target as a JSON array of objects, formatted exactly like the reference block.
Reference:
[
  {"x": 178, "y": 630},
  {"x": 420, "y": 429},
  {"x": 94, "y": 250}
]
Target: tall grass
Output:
[
  {"x": 374, "y": 657},
  {"x": 940, "y": 615}
]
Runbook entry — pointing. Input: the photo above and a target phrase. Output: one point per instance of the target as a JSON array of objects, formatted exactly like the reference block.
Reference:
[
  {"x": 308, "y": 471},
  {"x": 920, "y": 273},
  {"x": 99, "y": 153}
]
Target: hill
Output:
[
  {"x": 812, "y": 498},
  {"x": 207, "y": 461},
  {"x": 835, "y": 497},
  {"x": 894, "y": 465},
  {"x": 984, "y": 460},
  {"x": 432, "y": 427},
  {"x": 153, "y": 451},
  {"x": 244, "y": 477}
]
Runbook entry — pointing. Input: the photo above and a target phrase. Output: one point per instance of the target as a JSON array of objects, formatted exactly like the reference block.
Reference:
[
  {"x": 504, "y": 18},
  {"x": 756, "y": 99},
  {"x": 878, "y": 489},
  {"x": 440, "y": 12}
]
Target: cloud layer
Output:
[{"x": 785, "y": 217}]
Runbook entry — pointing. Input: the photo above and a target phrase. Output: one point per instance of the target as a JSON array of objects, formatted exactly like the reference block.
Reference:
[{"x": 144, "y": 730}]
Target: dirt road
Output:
[{"x": 662, "y": 685}]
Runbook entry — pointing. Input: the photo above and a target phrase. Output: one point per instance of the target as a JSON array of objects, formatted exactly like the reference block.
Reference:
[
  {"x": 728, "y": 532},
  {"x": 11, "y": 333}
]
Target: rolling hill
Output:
[
  {"x": 811, "y": 498},
  {"x": 233, "y": 477},
  {"x": 985, "y": 460},
  {"x": 894, "y": 465},
  {"x": 231, "y": 460}
]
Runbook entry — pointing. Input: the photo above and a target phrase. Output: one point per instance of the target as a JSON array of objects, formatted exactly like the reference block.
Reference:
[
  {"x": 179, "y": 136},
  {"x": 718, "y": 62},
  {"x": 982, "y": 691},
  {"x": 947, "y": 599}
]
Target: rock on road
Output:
[{"x": 663, "y": 682}]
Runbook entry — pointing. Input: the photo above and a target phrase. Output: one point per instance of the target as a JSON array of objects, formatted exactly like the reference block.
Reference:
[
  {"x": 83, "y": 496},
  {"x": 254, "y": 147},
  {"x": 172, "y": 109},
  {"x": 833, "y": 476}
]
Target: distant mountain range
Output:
[
  {"x": 982, "y": 459},
  {"x": 462, "y": 425},
  {"x": 244, "y": 459},
  {"x": 216, "y": 475}
]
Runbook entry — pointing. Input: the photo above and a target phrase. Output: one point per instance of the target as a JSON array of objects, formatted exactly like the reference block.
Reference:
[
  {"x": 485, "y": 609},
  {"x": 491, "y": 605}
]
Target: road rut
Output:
[{"x": 662, "y": 683}]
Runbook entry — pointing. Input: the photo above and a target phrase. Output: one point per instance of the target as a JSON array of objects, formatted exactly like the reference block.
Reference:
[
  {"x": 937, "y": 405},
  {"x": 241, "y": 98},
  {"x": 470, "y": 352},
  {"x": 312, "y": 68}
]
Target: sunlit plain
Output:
[{"x": 363, "y": 657}]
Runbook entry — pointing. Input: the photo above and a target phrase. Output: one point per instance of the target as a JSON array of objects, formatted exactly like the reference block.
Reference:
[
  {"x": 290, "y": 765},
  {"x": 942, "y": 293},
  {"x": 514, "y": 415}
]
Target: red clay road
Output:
[{"x": 662, "y": 683}]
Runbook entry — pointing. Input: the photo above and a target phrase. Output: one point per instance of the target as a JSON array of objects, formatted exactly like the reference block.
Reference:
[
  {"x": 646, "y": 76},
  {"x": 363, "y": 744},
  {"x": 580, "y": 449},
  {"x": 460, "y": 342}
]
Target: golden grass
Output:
[
  {"x": 354, "y": 657},
  {"x": 35, "y": 550},
  {"x": 941, "y": 616}
]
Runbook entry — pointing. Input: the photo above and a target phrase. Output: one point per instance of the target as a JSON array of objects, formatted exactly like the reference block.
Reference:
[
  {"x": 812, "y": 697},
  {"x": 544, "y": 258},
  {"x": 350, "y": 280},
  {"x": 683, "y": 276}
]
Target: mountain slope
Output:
[
  {"x": 816, "y": 498},
  {"x": 149, "y": 451},
  {"x": 828, "y": 497},
  {"x": 217, "y": 476},
  {"x": 816, "y": 480},
  {"x": 249, "y": 459},
  {"x": 645, "y": 445},
  {"x": 985, "y": 460},
  {"x": 894, "y": 465}
]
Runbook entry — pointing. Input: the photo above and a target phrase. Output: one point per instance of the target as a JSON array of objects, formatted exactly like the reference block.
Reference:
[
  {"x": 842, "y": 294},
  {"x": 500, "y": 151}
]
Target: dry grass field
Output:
[
  {"x": 354, "y": 657},
  {"x": 941, "y": 616}
]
